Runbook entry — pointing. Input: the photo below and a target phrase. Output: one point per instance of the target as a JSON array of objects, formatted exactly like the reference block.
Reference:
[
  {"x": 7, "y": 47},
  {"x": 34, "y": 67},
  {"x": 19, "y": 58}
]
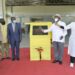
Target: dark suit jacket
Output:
[{"x": 14, "y": 36}]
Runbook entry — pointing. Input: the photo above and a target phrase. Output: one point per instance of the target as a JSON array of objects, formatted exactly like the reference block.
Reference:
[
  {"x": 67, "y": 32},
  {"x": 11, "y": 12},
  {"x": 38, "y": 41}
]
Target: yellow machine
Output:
[{"x": 40, "y": 43}]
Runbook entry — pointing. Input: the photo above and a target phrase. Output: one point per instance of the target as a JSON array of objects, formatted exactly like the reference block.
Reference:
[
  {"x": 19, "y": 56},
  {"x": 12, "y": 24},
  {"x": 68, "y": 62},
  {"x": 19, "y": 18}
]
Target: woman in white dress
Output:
[{"x": 71, "y": 46}]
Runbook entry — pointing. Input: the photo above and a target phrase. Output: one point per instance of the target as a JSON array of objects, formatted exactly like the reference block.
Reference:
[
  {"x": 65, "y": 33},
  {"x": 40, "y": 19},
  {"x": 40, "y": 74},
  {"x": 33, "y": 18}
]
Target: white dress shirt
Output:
[
  {"x": 13, "y": 25},
  {"x": 57, "y": 32}
]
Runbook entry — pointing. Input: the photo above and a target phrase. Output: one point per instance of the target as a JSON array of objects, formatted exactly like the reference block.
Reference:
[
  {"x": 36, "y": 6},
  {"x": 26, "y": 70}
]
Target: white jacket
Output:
[{"x": 71, "y": 46}]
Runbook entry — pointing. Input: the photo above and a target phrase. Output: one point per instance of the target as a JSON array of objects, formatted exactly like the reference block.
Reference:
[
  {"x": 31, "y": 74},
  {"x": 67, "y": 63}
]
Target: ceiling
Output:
[{"x": 39, "y": 2}]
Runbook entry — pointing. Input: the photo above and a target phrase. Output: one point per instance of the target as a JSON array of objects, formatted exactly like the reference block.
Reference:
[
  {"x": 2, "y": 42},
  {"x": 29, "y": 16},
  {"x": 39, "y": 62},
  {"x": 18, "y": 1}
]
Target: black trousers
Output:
[{"x": 72, "y": 59}]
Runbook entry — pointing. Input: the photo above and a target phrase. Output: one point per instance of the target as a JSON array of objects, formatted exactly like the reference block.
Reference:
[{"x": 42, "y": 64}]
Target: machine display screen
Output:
[{"x": 37, "y": 30}]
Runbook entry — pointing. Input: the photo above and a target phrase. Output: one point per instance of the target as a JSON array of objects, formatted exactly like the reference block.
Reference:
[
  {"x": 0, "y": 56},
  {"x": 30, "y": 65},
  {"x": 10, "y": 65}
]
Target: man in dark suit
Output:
[{"x": 14, "y": 37}]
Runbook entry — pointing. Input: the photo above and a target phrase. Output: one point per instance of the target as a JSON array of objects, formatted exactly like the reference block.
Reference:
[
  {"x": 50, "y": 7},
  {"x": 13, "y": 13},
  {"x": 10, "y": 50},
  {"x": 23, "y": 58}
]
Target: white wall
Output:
[
  {"x": 28, "y": 11},
  {"x": 43, "y": 10},
  {"x": 1, "y": 10}
]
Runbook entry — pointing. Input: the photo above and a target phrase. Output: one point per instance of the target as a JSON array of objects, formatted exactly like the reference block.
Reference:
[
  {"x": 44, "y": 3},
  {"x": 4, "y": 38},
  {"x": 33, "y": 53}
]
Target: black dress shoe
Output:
[
  {"x": 13, "y": 59},
  {"x": 7, "y": 57},
  {"x": 2, "y": 59},
  {"x": 60, "y": 62},
  {"x": 18, "y": 59},
  {"x": 55, "y": 61}
]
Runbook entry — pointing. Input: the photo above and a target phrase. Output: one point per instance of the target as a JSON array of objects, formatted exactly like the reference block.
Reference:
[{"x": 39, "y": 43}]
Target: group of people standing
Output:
[
  {"x": 59, "y": 31},
  {"x": 14, "y": 37}
]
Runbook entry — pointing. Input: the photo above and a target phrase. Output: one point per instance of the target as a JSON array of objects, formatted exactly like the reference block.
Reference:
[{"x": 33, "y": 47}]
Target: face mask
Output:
[
  {"x": 14, "y": 21},
  {"x": 56, "y": 19}
]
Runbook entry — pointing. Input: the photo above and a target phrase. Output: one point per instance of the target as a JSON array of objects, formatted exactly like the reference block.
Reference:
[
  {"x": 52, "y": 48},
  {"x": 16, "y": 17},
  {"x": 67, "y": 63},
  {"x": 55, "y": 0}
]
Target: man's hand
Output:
[
  {"x": 61, "y": 37},
  {"x": 20, "y": 40},
  {"x": 61, "y": 27},
  {"x": 41, "y": 29}
]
